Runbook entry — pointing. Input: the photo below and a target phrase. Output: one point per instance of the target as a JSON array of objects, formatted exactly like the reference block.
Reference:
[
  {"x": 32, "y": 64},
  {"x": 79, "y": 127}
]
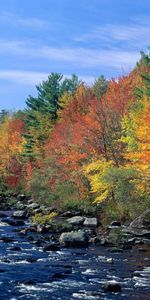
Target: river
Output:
[{"x": 26, "y": 272}]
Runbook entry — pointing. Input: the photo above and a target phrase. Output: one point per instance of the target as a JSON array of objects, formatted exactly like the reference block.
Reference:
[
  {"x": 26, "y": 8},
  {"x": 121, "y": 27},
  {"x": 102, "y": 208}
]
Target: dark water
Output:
[{"x": 71, "y": 273}]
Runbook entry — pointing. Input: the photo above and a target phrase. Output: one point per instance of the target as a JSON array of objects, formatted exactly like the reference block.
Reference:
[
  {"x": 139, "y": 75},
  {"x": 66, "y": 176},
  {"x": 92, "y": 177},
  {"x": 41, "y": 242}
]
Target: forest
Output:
[{"x": 82, "y": 147}]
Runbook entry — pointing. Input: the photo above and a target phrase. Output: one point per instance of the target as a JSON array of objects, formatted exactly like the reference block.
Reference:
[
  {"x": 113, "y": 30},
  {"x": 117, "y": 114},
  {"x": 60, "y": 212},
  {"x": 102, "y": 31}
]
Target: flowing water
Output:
[{"x": 69, "y": 274}]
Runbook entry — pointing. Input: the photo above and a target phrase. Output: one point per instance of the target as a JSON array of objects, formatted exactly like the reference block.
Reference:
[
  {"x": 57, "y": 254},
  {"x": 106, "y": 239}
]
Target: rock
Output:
[
  {"x": 15, "y": 248},
  {"x": 21, "y": 197},
  {"x": 32, "y": 228},
  {"x": 141, "y": 223},
  {"x": 94, "y": 240},
  {"x": 33, "y": 206},
  {"x": 90, "y": 222},
  {"x": 6, "y": 239},
  {"x": 112, "y": 287},
  {"x": 110, "y": 260},
  {"x": 115, "y": 223},
  {"x": 77, "y": 220},
  {"x": 31, "y": 259},
  {"x": 19, "y": 214},
  {"x": 74, "y": 239},
  {"x": 15, "y": 222},
  {"x": 28, "y": 282},
  {"x": 104, "y": 242},
  {"x": 116, "y": 250},
  {"x": 67, "y": 214},
  {"x": 43, "y": 228},
  {"x": 2, "y": 215},
  {"x": 51, "y": 247},
  {"x": 59, "y": 276}
]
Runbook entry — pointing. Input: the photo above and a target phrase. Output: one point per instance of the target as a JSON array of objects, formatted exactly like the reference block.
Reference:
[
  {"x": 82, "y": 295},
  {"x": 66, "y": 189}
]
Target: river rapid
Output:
[{"x": 27, "y": 272}]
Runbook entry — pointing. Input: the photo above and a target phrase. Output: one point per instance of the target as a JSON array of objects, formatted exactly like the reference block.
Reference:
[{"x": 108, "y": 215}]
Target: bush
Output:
[{"x": 44, "y": 219}]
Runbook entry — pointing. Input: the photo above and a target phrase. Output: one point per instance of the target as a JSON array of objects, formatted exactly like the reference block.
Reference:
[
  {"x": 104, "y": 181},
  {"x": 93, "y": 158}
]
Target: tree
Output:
[
  {"x": 100, "y": 86},
  {"x": 11, "y": 147},
  {"x": 42, "y": 111}
]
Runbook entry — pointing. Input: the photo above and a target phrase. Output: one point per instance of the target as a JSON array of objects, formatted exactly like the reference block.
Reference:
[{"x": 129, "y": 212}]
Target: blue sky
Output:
[{"x": 85, "y": 37}]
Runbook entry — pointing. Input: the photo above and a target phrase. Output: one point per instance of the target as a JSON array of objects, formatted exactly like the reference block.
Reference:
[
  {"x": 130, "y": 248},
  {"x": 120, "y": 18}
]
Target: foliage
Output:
[
  {"x": 80, "y": 147},
  {"x": 44, "y": 219}
]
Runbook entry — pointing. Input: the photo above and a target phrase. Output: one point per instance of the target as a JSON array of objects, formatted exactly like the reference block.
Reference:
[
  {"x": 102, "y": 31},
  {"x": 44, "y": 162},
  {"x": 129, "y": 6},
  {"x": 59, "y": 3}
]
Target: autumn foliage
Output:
[{"x": 97, "y": 148}]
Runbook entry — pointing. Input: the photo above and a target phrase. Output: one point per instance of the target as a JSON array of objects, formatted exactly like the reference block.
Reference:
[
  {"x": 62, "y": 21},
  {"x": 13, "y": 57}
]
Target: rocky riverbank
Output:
[{"x": 73, "y": 228}]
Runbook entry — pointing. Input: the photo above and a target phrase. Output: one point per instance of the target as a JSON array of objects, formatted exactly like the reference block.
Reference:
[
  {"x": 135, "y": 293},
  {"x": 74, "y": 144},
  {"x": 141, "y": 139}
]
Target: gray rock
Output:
[
  {"x": 115, "y": 223},
  {"x": 141, "y": 225},
  {"x": 90, "y": 222},
  {"x": 19, "y": 214},
  {"x": 112, "y": 287},
  {"x": 74, "y": 239},
  {"x": 77, "y": 220},
  {"x": 51, "y": 247},
  {"x": 33, "y": 206}
]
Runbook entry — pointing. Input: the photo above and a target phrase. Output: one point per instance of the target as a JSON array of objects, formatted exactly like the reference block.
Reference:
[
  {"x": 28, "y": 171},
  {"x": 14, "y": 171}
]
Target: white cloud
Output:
[
  {"x": 33, "y": 78},
  {"x": 23, "y": 77},
  {"x": 132, "y": 35},
  {"x": 85, "y": 57}
]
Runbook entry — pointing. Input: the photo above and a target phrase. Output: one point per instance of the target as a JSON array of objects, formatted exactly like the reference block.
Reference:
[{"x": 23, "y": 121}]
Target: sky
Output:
[{"x": 88, "y": 38}]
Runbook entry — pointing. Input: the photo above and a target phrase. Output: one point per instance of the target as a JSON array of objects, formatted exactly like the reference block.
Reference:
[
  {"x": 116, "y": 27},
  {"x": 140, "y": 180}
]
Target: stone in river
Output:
[{"x": 74, "y": 239}]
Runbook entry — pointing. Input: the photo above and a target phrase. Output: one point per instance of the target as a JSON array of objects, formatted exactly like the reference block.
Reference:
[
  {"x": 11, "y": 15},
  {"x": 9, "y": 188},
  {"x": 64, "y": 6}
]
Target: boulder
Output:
[
  {"x": 112, "y": 287},
  {"x": 51, "y": 247},
  {"x": 115, "y": 223},
  {"x": 141, "y": 225},
  {"x": 19, "y": 214},
  {"x": 33, "y": 206},
  {"x": 77, "y": 220},
  {"x": 74, "y": 239},
  {"x": 90, "y": 222}
]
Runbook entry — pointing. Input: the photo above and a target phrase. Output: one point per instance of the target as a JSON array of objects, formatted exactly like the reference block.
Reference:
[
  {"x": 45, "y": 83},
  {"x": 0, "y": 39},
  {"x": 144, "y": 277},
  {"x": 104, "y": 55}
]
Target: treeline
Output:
[{"x": 82, "y": 147}]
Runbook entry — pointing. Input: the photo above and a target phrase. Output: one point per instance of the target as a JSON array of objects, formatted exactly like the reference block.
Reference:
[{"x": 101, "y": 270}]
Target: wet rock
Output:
[
  {"x": 20, "y": 206},
  {"x": 141, "y": 225},
  {"x": 2, "y": 215},
  {"x": 74, "y": 239},
  {"x": 116, "y": 250},
  {"x": 115, "y": 223},
  {"x": 6, "y": 239},
  {"x": 90, "y": 222},
  {"x": 43, "y": 228},
  {"x": 32, "y": 228},
  {"x": 21, "y": 197},
  {"x": 23, "y": 231},
  {"x": 77, "y": 220},
  {"x": 19, "y": 214},
  {"x": 31, "y": 259},
  {"x": 15, "y": 248},
  {"x": 95, "y": 240},
  {"x": 110, "y": 260},
  {"x": 28, "y": 282},
  {"x": 33, "y": 206},
  {"x": 15, "y": 222},
  {"x": 2, "y": 270},
  {"x": 30, "y": 238},
  {"x": 59, "y": 276},
  {"x": 104, "y": 242},
  {"x": 142, "y": 249},
  {"x": 38, "y": 243},
  {"x": 51, "y": 247},
  {"x": 67, "y": 214},
  {"x": 6, "y": 260},
  {"x": 112, "y": 287}
]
